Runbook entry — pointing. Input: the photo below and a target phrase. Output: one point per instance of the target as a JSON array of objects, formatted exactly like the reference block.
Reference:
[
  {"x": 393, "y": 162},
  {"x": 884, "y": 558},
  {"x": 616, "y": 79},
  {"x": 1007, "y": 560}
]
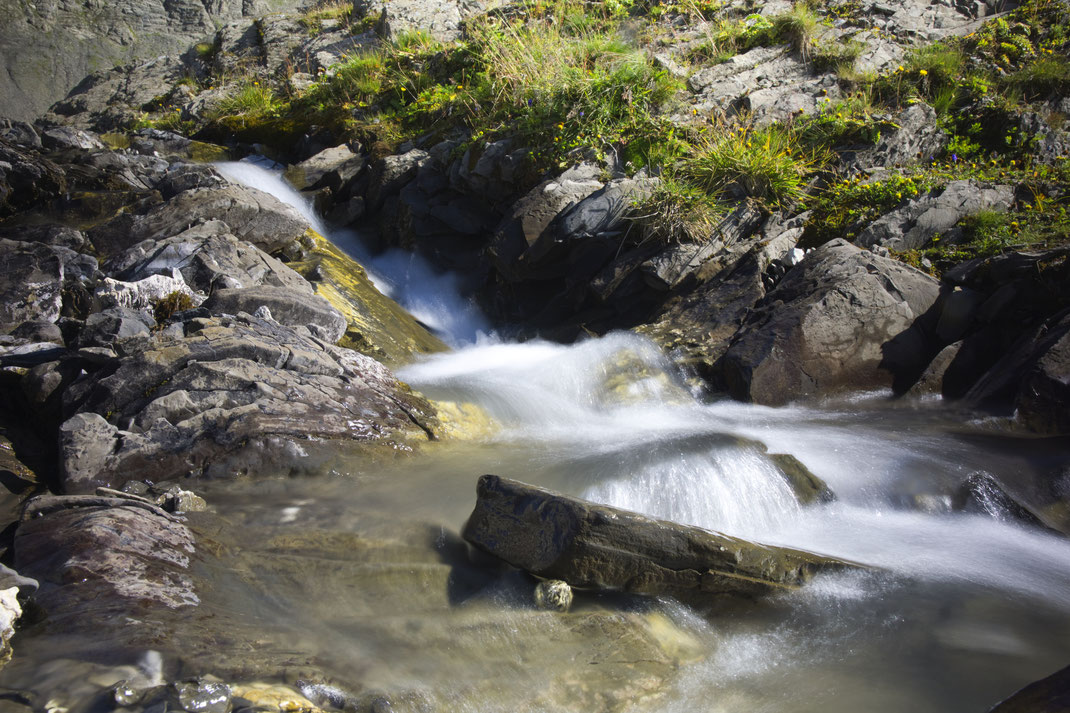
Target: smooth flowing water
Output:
[{"x": 959, "y": 611}]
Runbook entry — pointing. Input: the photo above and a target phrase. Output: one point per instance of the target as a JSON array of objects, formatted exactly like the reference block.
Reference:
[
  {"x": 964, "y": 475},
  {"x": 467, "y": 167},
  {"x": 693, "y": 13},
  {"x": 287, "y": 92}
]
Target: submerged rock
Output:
[
  {"x": 1048, "y": 695},
  {"x": 596, "y": 546},
  {"x": 553, "y": 594}
]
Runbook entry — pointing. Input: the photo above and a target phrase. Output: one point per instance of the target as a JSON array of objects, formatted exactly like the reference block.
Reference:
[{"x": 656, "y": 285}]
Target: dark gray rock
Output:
[
  {"x": 331, "y": 168},
  {"x": 842, "y": 319},
  {"x": 1043, "y": 400},
  {"x": 389, "y": 175},
  {"x": 981, "y": 494},
  {"x": 33, "y": 277},
  {"x": 290, "y": 308},
  {"x": 808, "y": 488},
  {"x": 207, "y": 257},
  {"x": 20, "y": 132},
  {"x": 106, "y": 551},
  {"x": 1048, "y": 695},
  {"x": 530, "y": 216},
  {"x": 27, "y": 179},
  {"x": 555, "y": 536},
  {"x": 911, "y": 226},
  {"x": 219, "y": 397},
  {"x": 251, "y": 215},
  {"x": 113, "y": 325},
  {"x": 65, "y": 138}
]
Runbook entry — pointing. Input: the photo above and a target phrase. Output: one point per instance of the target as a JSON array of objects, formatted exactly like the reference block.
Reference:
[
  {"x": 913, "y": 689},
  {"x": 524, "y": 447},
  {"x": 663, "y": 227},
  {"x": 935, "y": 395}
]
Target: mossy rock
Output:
[
  {"x": 463, "y": 421},
  {"x": 377, "y": 326},
  {"x": 808, "y": 488}
]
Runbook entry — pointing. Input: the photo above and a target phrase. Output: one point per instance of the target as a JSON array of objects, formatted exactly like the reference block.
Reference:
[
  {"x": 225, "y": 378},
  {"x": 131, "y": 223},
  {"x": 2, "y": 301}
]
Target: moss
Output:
[
  {"x": 169, "y": 305},
  {"x": 377, "y": 326}
]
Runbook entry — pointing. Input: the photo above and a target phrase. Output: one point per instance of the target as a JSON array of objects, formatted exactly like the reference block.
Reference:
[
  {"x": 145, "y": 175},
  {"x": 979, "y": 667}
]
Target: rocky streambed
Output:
[{"x": 240, "y": 476}]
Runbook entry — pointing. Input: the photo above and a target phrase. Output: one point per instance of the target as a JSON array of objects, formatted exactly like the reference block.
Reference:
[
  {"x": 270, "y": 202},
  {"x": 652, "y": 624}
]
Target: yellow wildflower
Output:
[{"x": 922, "y": 72}]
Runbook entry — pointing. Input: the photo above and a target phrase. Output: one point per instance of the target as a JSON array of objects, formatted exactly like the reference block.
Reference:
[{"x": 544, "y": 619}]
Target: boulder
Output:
[
  {"x": 115, "y": 325},
  {"x": 219, "y": 397},
  {"x": 95, "y": 557},
  {"x": 252, "y": 215},
  {"x": 843, "y": 319},
  {"x": 33, "y": 277},
  {"x": 556, "y": 536},
  {"x": 331, "y": 168},
  {"x": 286, "y": 307},
  {"x": 442, "y": 20},
  {"x": 206, "y": 257},
  {"x": 911, "y": 226},
  {"x": 26, "y": 178}
]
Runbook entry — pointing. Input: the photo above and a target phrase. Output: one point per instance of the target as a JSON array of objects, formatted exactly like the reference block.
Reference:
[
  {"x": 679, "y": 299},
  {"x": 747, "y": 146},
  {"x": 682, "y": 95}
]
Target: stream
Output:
[{"x": 360, "y": 574}]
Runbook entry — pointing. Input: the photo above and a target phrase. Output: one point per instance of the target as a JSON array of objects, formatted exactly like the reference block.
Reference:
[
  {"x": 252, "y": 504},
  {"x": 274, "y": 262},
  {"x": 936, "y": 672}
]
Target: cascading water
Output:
[
  {"x": 958, "y": 611},
  {"x": 429, "y": 296}
]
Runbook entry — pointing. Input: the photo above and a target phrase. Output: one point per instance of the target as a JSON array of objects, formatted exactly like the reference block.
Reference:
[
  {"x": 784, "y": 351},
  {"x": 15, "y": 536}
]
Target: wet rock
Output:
[
  {"x": 596, "y": 546},
  {"x": 219, "y": 397},
  {"x": 286, "y": 307},
  {"x": 843, "y": 319},
  {"x": 203, "y": 696},
  {"x": 1048, "y": 695},
  {"x": 390, "y": 174},
  {"x": 911, "y": 226},
  {"x": 554, "y": 595},
  {"x": 104, "y": 554},
  {"x": 931, "y": 380},
  {"x": 808, "y": 488},
  {"x": 375, "y": 325},
  {"x": 1043, "y": 400},
  {"x": 982, "y": 494}
]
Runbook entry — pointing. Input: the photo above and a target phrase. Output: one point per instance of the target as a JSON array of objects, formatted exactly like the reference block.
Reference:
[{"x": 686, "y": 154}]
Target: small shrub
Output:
[
  {"x": 171, "y": 304},
  {"x": 676, "y": 212},
  {"x": 1042, "y": 78}
]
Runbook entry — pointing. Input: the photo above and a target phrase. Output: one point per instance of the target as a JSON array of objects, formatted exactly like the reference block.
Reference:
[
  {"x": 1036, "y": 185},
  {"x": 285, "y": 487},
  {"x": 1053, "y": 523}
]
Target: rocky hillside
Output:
[
  {"x": 48, "y": 47},
  {"x": 665, "y": 167}
]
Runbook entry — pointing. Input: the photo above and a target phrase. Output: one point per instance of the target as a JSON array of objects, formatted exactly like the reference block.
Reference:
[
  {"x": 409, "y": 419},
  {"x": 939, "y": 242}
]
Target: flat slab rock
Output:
[{"x": 596, "y": 546}]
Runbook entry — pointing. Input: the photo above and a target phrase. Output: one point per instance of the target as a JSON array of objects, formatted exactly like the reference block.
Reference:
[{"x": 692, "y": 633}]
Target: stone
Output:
[
  {"x": 227, "y": 396},
  {"x": 554, "y": 595},
  {"x": 1048, "y": 695},
  {"x": 390, "y": 174},
  {"x": 27, "y": 179},
  {"x": 593, "y": 546},
  {"x": 982, "y": 494},
  {"x": 442, "y": 20},
  {"x": 251, "y": 215},
  {"x": 65, "y": 138},
  {"x": 287, "y": 307},
  {"x": 331, "y": 168},
  {"x": 113, "y": 325},
  {"x": 843, "y": 319},
  {"x": 530, "y": 216},
  {"x": 918, "y": 138},
  {"x": 143, "y": 294},
  {"x": 33, "y": 278},
  {"x": 1042, "y": 403},
  {"x": 206, "y": 257},
  {"x": 913, "y": 225},
  {"x": 108, "y": 554},
  {"x": 203, "y": 696},
  {"x": 808, "y": 488}
]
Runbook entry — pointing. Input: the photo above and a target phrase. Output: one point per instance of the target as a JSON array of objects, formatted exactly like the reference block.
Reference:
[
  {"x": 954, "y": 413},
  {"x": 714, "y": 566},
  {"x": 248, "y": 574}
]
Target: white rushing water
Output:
[
  {"x": 429, "y": 295},
  {"x": 958, "y": 605}
]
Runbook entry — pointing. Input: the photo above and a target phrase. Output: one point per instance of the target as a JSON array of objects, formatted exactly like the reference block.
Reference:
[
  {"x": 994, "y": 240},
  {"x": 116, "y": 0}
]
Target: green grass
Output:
[{"x": 766, "y": 163}]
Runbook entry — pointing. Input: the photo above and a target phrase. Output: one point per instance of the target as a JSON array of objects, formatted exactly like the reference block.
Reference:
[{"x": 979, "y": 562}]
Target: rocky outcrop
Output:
[
  {"x": 595, "y": 546},
  {"x": 911, "y": 226},
  {"x": 34, "y": 278},
  {"x": 220, "y": 397},
  {"x": 442, "y": 20},
  {"x": 844, "y": 319},
  {"x": 70, "y": 40}
]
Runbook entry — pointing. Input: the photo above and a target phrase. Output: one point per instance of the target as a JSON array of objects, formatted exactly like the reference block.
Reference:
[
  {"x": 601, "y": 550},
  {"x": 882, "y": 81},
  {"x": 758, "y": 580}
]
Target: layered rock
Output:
[
  {"x": 595, "y": 546},
  {"x": 844, "y": 319},
  {"x": 223, "y": 396}
]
